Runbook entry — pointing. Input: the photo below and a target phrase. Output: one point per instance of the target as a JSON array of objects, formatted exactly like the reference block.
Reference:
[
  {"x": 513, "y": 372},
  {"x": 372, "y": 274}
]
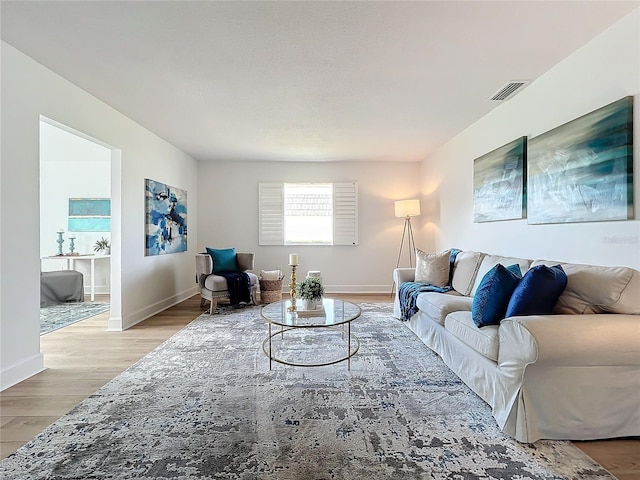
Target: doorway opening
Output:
[{"x": 76, "y": 226}]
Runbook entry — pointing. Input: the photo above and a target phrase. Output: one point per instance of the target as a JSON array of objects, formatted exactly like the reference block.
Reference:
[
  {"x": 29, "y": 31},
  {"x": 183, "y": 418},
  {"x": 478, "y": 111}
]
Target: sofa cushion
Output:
[
  {"x": 596, "y": 289},
  {"x": 438, "y": 305},
  {"x": 485, "y": 341},
  {"x": 538, "y": 291},
  {"x": 216, "y": 283},
  {"x": 224, "y": 260},
  {"x": 432, "y": 268},
  {"x": 490, "y": 261},
  {"x": 496, "y": 287},
  {"x": 465, "y": 269}
]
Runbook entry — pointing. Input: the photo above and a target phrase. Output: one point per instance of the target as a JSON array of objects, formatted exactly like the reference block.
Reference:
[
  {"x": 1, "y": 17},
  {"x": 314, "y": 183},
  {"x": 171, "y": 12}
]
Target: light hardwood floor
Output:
[{"x": 82, "y": 357}]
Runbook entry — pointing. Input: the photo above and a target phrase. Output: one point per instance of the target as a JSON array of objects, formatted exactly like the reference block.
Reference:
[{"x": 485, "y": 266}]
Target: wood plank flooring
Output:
[{"x": 82, "y": 357}]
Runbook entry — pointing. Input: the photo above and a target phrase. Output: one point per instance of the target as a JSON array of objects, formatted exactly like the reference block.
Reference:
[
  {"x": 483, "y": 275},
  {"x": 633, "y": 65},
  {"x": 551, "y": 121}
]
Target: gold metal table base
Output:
[{"x": 266, "y": 346}]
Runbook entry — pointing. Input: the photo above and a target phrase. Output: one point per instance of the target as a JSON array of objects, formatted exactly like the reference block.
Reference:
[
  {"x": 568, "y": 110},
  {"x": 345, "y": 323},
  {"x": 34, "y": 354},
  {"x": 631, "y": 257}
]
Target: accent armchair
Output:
[{"x": 213, "y": 287}]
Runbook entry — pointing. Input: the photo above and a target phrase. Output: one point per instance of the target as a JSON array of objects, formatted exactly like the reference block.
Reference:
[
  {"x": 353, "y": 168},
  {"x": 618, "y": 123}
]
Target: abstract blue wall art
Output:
[
  {"x": 499, "y": 183},
  {"x": 166, "y": 218},
  {"x": 89, "y": 215},
  {"x": 582, "y": 171}
]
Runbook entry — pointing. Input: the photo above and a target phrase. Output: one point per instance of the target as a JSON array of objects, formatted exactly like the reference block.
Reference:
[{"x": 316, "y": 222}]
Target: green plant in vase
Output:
[
  {"x": 310, "y": 291},
  {"x": 102, "y": 246}
]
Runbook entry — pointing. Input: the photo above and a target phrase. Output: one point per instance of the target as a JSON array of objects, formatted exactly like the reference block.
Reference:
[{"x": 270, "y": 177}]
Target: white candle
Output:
[
  {"x": 293, "y": 259},
  {"x": 61, "y": 230}
]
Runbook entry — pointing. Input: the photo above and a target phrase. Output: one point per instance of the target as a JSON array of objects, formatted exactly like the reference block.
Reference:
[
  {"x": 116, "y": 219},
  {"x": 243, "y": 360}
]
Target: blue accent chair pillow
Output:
[
  {"x": 492, "y": 296},
  {"x": 224, "y": 260},
  {"x": 538, "y": 291}
]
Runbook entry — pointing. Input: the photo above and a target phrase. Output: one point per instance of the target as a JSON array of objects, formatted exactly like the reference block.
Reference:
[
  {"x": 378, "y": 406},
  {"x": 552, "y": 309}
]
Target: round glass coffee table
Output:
[{"x": 336, "y": 316}]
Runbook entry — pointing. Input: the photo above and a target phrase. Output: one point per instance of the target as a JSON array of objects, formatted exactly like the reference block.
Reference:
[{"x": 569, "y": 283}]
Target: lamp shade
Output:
[{"x": 407, "y": 208}]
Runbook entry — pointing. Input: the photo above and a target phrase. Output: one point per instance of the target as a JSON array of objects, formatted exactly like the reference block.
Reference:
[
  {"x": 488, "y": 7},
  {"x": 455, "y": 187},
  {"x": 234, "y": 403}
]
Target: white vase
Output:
[{"x": 308, "y": 304}]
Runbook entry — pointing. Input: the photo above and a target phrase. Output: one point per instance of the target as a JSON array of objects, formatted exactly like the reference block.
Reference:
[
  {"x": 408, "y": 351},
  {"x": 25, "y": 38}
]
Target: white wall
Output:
[
  {"x": 228, "y": 217},
  {"x": 147, "y": 284},
  {"x": 602, "y": 71},
  {"x": 71, "y": 167}
]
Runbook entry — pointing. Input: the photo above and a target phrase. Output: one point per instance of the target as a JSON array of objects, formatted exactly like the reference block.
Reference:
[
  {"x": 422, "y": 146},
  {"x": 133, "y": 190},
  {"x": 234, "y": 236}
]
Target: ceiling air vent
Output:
[{"x": 509, "y": 90}]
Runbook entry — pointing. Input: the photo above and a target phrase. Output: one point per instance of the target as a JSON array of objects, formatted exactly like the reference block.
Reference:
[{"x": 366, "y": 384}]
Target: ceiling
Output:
[{"x": 303, "y": 81}]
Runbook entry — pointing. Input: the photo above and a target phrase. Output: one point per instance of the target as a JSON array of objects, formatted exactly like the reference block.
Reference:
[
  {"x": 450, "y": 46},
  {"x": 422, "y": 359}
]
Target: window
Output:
[{"x": 308, "y": 214}]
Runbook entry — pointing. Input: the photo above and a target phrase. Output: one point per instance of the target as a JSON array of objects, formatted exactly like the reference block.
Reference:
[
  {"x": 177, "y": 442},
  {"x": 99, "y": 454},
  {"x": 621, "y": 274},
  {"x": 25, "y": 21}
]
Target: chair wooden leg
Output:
[
  {"x": 212, "y": 307},
  {"x": 202, "y": 302}
]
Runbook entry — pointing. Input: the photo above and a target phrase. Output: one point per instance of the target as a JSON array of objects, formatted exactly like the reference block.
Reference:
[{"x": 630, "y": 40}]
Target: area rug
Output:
[
  {"x": 205, "y": 405},
  {"x": 58, "y": 316}
]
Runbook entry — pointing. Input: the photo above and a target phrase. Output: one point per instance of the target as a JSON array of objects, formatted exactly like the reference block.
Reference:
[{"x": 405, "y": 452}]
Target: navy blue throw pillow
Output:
[
  {"x": 492, "y": 296},
  {"x": 538, "y": 291}
]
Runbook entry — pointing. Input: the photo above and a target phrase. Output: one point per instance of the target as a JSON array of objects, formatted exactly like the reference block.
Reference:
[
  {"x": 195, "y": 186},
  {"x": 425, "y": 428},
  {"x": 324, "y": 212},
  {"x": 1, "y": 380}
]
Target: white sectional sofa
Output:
[{"x": 572, "y": 375}]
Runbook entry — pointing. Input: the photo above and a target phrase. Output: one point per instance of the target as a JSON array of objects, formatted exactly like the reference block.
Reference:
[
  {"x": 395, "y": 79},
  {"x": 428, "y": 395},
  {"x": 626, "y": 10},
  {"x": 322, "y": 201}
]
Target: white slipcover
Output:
[{"x": 564, "y": 376}]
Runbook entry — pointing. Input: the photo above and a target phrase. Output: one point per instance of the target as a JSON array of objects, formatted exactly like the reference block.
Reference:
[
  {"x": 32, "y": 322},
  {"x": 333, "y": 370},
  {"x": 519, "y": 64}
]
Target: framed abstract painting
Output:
[
  {"x": 166, "y": 219},
  {"x": 89, "y": 215},
  {"x": 582, "y": 171},
  {"x": 499, "y": 183}
]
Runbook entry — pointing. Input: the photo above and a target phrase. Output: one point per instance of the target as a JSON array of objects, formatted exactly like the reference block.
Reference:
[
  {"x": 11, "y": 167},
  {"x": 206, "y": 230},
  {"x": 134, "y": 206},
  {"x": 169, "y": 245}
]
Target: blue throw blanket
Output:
[
  {"x": 408, "y": 291},
  {"x": 239, "y": 286}
]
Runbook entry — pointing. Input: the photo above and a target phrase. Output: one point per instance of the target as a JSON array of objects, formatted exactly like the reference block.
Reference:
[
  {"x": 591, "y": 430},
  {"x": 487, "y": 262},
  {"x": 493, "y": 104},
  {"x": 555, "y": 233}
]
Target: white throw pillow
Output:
[
  {"x": 270, "y": 274},
  {"x": 465, "y": 270},
  {"x": 432, "y": 268}
]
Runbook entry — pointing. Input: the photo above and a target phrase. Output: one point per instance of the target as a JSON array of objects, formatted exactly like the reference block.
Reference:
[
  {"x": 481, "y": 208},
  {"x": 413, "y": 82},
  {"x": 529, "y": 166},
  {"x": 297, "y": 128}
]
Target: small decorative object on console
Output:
[
  {"x": 60, "y": 241},
  {"x": 102, "y": 246}
]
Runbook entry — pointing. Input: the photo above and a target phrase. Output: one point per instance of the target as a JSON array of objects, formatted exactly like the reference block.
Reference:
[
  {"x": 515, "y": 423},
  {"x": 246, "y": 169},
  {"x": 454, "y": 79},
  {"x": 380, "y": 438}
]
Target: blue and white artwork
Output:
[
  {"x": 499, "y": 183},
  {"x": 582, "y": 171},
  {"x": 166, "y": 218}
]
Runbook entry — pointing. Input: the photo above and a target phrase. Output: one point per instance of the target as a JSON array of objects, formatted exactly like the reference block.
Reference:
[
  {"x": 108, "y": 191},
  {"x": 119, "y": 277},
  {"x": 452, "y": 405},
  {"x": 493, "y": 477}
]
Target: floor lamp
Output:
[{"x": 406, "y": 209}]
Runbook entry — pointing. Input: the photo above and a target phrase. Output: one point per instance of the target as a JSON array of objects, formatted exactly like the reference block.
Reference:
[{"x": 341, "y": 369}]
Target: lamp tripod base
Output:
[{"x": 406, "y": 232}]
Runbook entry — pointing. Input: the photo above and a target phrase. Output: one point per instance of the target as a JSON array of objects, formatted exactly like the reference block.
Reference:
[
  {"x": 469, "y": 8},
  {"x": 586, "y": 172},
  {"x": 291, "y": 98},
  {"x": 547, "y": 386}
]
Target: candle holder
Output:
[
  {"x": 293, "y": 287},
  {"x": 72, "y": 244},
  {"x": 60, "y": 241}
]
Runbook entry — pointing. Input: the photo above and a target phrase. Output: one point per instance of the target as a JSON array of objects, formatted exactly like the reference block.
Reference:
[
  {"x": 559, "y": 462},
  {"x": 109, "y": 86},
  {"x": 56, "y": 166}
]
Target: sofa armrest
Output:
[
  {"x": 245, "y": 261},
  {"x": 401, "y": 275},
  {"x": 204, "y": 266},
  {"x": 571, "y": 340},
  {"x": 585, "y": 364}
]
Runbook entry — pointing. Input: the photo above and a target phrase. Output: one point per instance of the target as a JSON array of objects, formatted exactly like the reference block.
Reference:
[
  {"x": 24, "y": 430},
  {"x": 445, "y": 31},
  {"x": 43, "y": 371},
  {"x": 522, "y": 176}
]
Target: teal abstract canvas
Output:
[
  {"x": 89, "y": 215},
  {"x": 499, "y": 183},
  {"x": 582, "y": 171}
]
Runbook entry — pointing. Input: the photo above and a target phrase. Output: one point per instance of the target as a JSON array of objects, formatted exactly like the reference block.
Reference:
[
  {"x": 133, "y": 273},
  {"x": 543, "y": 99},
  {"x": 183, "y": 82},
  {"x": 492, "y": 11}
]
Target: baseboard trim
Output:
[
  {"x": 21, "y": 371},
  {"x": 130, "y": 320},
  {"x": 99, "y": 290}
]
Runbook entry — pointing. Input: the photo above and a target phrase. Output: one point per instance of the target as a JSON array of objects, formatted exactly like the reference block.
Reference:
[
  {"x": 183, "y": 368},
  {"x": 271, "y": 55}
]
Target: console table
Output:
[{"x": 70, "y": 264}]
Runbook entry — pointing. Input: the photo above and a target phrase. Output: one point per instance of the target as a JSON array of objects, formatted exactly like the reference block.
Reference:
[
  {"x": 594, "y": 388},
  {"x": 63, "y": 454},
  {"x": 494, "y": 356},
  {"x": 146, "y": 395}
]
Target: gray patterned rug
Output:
[
  {"x": 58, "y": 316},
  {"x": 205, "y": 405}
]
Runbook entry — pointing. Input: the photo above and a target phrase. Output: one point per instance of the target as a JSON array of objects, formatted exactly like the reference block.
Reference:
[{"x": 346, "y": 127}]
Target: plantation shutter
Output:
[
  {"x": 345, "y": 213},
  {"x": 271, "y": 214}
]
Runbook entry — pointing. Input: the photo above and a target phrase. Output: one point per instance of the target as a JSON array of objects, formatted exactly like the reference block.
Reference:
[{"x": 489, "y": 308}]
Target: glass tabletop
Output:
[{"x": 336, "y": 312}]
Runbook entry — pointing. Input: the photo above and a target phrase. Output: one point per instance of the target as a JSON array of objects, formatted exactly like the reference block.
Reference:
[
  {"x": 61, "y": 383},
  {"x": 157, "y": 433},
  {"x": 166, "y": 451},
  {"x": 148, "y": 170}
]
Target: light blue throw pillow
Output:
[
  {"x": 538, "y": 291},
  {"x": 224, "y": 260},
  {"x": 492, "y": 296}
]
